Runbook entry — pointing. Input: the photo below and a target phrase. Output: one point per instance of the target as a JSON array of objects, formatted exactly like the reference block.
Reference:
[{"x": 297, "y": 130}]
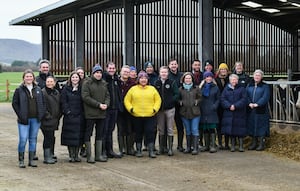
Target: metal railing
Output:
[{"x": 284, "y": 95}]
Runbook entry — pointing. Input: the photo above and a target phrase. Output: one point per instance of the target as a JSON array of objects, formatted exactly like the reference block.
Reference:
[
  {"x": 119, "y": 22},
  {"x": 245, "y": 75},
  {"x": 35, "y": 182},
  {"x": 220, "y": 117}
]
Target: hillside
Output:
[{"x": 12, "y": 49}]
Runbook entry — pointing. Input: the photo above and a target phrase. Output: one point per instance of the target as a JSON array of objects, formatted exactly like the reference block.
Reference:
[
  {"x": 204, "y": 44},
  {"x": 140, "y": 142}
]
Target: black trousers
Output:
[
  {"x": 48, "y": 138},
  {"x": 99, "y": 126},
  {"x": 144, "y": 126}
]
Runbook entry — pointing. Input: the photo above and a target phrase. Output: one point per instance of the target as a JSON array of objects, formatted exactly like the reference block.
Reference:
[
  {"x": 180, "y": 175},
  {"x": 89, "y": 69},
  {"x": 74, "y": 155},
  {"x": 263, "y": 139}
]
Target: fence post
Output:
[{"x": 7, "y": 90}]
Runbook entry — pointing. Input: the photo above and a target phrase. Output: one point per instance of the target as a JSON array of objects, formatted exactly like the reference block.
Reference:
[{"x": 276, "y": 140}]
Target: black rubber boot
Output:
[
  {"x": 241, "y": 144},
  {"x": 89, "y": 158},
  {"x": 232, "y": 149},
  {"x": 53, "y": 156},
  {"x": 151, "y": 150},
  {"x": 200, "y": 138},
  {"x": 188, "y": 144},
  {"x": 206, "y": 141},
  {"x": 170, "y": 145},
  {"x": 195, "y": 145},
  {"x": 99, "y": 151},
  {"x": 253, "y": 144},
  {"x": 180, "y": 142},
  {"x": 35, "y": 157},
  {"x": 261, "y": 145},
  {"x": 220, "y": 141},
  {"x": 129, "y": 145},
  {"x": 139, "y": 150},
  {"x": 212, "y": 147},
  {"x": 48, "y": 156},
  {"x": 76, "y": 154},
  {"x": 161, "y": 145},
  {"x": 21, "y": 160},
  {"x": 31, "y": 161},
  {"x": 121, "y": 142},
  {"x": 226, "y": 147}
]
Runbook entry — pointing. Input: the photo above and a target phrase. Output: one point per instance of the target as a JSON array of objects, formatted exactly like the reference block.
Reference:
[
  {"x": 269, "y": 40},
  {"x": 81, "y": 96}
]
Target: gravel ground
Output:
[{"x": 223, "y": 170}]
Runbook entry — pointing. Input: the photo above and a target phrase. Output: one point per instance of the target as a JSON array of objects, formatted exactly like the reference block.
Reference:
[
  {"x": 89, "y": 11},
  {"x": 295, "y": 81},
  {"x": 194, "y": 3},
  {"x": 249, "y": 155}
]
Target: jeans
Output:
[
  {"x": 191, "y": 126},
  {"x": 28, "y": 132}
]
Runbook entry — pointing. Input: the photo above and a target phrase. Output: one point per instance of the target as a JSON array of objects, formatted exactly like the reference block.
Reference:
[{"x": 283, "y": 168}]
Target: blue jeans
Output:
[
  {"x": 191, "y": 126},
  {"x": 28, "y": 132}
]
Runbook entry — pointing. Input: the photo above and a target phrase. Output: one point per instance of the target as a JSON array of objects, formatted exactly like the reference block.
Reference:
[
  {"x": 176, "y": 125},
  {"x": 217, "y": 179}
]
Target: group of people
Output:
[{"x": 205, "y": 106}]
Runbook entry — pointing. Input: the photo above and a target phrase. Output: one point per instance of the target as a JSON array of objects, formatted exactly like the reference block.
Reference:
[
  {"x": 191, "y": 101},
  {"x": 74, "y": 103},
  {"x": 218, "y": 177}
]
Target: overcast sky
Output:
[{"x": 12, "y": 9}]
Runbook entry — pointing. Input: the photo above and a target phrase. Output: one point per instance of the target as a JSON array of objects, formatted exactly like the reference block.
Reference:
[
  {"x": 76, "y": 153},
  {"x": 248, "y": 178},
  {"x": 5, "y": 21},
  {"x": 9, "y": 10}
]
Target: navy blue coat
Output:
[
  {"x": 234, "y": 122},
  {"x": 258, "y": 118},
  {"x": 209, "y": 105},
  {"x": 73, "y": 120}
]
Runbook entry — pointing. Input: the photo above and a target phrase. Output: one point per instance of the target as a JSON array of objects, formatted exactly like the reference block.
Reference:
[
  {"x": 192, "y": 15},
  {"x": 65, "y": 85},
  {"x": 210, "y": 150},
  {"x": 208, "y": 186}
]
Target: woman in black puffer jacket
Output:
[{"x": 73, "y": 120}]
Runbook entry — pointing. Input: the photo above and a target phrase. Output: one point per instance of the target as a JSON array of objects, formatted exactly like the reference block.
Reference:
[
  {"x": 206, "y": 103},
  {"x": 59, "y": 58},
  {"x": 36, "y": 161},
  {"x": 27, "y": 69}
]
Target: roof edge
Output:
[{"x": 20, "y": 20}]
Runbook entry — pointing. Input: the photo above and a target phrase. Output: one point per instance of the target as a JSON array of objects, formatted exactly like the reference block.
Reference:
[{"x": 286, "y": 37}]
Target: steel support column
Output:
[
  {"x": 129, "y": 32},
  {"x": 45, "y": 42},
  {"x": 79, "y": 40},
  {"x": 207, "y": 29}
]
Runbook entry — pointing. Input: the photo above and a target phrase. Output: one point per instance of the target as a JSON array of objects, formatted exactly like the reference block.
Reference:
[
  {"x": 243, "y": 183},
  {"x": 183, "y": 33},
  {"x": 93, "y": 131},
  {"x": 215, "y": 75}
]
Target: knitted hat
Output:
[
  {"x": 148, "y": 64},
  {"x": 96, "y": 68},
  {"x": 207, "y": 74},
  {"x": 223, "y": 66},
  {"x": 142, "y": 74},
  {"x": 209, "y": 62},
  {"x": 132, "y": 68}
]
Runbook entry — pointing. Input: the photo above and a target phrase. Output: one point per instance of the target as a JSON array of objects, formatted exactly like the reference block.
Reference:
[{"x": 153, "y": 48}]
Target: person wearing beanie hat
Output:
[
  {"x": 222, "y": 79},
  {"x": 209, "y": 66},
  {"x": 223, "y": 66},
  {"x": 142, "y": 74},
  {"x": 208, "y": 74},
  {"x": 209, "y": 115},
  {"x": 96, "y": 99},
  {"x": 133, "y": 73},
  {"x": 149, "y": 68},
  {"x": 143, "y": 101},
  {"x": 148, "y": 64},
  {"x": 97, "y": 68}
]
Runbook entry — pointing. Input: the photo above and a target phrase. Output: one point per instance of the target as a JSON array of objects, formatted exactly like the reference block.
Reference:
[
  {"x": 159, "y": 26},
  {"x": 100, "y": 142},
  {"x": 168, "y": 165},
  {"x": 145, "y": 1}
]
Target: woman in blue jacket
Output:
[
  {"x": 234, "y": 103},
  {"x": 258, "y": 94}
]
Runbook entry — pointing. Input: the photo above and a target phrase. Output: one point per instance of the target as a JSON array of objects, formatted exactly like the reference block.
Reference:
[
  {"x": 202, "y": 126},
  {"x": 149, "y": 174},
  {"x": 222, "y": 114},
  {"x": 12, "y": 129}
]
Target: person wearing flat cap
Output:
[
  {"x": 143, "y": 101},
  {"x": 96, "y": 99}
]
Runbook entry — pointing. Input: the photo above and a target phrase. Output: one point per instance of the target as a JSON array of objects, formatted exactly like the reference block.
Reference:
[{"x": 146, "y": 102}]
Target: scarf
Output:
[
  {"x": 187, "y": 86},
  {"x": 206, "y": 89}
]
